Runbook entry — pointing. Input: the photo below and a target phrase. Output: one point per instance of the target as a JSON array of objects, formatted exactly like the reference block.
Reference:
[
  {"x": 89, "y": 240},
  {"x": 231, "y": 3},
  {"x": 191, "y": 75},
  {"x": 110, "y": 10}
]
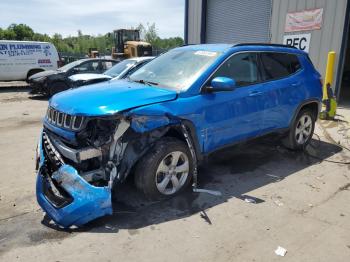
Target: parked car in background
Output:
[
  {"x": 167, "y": 117},
  {"x": 21, "y": 59},
  {"x": 54, "y": 81},
  {"x": 118, "y": 71}
]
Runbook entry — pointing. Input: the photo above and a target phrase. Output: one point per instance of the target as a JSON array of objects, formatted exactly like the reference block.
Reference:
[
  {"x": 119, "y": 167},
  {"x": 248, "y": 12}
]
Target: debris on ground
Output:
[
  {"x": 278, "y": 203},
  {"x": 275, "y": 177},
  {"x": 204, "y": 215},
  {"x": 110, "y": 227},
  {"x": 210, "y": 192},
  {"x": 250, "y": 200},
  {"x": 280, "y": 251}
]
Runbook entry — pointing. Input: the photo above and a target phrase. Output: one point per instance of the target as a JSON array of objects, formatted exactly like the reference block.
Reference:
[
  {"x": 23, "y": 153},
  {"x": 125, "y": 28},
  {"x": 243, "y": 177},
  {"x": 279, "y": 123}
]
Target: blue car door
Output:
[
  {"x": 281, "y": 90},
  {"x": 232, "y": 116}
]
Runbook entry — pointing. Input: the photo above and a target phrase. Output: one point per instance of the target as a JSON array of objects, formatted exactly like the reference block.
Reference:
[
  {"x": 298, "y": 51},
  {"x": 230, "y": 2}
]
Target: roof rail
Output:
[{"x": 266, "y": 44}]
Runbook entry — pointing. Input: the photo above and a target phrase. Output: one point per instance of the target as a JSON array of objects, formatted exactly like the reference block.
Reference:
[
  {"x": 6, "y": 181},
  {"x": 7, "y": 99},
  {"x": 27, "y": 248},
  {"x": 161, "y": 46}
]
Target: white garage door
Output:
[{"x": 238, "y": 21}]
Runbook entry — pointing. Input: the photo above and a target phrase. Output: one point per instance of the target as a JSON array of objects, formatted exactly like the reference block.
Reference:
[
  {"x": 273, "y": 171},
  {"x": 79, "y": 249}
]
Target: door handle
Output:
[{"x": 255, "y": 93}]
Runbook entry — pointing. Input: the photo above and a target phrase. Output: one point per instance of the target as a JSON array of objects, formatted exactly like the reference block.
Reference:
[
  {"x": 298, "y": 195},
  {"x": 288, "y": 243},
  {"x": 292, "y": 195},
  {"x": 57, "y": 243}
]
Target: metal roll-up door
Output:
[{"x": 238, "y": 21}]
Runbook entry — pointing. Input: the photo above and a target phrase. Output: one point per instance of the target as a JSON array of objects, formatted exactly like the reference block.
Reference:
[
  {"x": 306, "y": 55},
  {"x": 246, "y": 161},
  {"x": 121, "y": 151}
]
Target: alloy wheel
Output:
[
  {"x": 303, "y": 129},
  {"x": 172, "y": 173}
]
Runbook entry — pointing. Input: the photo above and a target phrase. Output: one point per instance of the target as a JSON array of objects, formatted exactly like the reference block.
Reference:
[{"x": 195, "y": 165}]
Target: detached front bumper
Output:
[{"x": 67, "y": 198}]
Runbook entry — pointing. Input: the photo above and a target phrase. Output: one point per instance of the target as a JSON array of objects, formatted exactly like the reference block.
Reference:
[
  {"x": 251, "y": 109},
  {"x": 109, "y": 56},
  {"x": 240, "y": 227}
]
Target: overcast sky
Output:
[{"x": 93, "y": 16}]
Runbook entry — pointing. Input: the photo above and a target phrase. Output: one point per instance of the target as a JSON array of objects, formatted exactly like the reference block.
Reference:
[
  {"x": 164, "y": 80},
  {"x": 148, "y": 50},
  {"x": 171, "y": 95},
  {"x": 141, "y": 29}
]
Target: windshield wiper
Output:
[{"x": 141, "y": 81}]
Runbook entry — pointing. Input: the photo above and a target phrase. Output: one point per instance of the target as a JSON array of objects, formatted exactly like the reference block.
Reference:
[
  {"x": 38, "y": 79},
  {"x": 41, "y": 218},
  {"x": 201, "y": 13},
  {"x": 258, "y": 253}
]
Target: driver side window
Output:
[
  {"x": 242, "y": 68},
  {"x": 88, "y": 67}
]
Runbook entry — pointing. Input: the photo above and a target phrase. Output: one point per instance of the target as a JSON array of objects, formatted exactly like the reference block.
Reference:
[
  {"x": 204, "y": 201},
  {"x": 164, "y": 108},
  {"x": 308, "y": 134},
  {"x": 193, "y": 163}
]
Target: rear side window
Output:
[
  {"x": 278, "y": 65},
  {"x": 241, "y": 67},
  {"x": 106, "y": 65}
]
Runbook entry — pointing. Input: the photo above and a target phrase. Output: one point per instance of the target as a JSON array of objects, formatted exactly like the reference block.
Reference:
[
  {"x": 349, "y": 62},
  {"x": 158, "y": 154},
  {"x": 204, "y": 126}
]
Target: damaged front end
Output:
[
  {"x": 80, "y": 160},
  {"x": 77, "y": 164}
]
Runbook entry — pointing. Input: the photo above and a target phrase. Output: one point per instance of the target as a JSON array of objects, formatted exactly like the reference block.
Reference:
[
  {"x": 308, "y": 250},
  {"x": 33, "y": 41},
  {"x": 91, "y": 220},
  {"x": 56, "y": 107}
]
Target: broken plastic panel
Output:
[{"x": 78, "y": 203}]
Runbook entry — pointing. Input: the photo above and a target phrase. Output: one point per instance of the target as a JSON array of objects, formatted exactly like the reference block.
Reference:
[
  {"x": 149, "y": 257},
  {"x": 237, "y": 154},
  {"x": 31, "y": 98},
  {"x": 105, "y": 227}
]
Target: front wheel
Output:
[
  {"x": 301, "y": 131},
  {"x": 165, "y": 170}
]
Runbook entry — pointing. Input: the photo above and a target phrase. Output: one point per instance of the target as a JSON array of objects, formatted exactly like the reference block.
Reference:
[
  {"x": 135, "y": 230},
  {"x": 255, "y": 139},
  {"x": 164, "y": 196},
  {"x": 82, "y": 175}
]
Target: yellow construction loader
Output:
[{"x": 128, "y": 44}]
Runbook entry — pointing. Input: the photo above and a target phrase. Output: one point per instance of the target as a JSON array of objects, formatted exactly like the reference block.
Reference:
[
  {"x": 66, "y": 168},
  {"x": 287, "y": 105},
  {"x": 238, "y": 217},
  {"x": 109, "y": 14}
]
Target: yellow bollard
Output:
[
  {"x": 329, "y": 74},
  {"x": 328, "y": 99}
]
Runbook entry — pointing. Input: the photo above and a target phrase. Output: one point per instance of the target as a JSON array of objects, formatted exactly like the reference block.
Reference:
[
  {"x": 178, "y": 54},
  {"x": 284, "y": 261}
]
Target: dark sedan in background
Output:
[
  {"x": 52, "y": 82},
  {"x": 119, "y": 71}
]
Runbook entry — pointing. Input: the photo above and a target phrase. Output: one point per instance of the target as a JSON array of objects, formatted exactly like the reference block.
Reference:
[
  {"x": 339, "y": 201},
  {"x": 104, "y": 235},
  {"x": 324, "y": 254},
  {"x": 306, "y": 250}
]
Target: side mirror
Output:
[{"x": 221, "y": 83}]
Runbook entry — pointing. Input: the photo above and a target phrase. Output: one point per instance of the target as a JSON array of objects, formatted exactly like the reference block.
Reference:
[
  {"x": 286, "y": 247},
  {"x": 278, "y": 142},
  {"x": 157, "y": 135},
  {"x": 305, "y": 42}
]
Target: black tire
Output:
[
  {"x": 292, "y": 140},
  {"x": 33, "y": 72},
  {"x": 146, "y": 169},
  {"x": 56, "y": 87}
]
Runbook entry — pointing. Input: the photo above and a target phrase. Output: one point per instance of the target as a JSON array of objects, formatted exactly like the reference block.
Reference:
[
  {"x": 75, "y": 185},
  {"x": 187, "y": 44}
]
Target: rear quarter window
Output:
[{"x": 279, "y": 65}]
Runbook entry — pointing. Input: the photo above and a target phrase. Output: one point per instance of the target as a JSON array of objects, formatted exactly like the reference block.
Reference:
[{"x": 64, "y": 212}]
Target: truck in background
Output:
[
  {"x": 127, "y": 44},
  {"x": 21, "y": 59}
]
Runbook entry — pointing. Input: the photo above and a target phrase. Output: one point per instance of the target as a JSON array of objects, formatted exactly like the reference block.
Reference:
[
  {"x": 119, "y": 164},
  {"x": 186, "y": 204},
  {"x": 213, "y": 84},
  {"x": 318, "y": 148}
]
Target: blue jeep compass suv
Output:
[{"x": 164, "y": 119}]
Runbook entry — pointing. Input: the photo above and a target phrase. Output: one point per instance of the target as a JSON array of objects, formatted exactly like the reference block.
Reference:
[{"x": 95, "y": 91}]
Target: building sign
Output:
[
  {"x": 304, "y": 20},
  {"x": 300, "y": 41}
]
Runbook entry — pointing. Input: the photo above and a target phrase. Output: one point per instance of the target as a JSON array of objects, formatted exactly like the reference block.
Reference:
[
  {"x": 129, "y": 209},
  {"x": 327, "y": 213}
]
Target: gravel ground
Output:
[{"x": 301, "y": 203}]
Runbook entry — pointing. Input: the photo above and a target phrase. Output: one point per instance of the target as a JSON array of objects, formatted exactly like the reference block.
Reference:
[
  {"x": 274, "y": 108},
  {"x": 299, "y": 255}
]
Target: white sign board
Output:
[{"x": 300, "y": 41}]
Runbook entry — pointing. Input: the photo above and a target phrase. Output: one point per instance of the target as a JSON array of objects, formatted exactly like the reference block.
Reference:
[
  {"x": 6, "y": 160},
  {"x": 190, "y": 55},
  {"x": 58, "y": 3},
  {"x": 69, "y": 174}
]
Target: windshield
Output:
[
  {"x": 119, "y": 68},
  {"x": 175, "y": 70},
  {"x": 70, "y": 65}
]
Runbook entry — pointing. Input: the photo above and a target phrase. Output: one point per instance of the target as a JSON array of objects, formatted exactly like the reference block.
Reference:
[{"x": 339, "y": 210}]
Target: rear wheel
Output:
[
  {"x": 301, "y": 131},
  {"x": 57, "y": 87},
  {"x": 165, "y": 170}
]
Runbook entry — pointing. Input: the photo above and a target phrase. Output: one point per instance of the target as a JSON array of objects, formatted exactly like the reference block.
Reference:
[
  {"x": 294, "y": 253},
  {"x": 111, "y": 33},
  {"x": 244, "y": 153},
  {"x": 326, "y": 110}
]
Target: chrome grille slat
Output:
[
  {"x": 54, "y": 116},
  {"x": 60, "y": 119},
  {"x": 78, "y": 121},
  {"x": 66, "y": 121}
]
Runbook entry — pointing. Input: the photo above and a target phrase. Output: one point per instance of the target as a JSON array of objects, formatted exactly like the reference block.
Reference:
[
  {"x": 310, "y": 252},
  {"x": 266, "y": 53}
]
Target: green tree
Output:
[
  {"x": 9, "y": 34},
  {"x": 22, "y": 32},
  {"x": 149, "y": 33}
]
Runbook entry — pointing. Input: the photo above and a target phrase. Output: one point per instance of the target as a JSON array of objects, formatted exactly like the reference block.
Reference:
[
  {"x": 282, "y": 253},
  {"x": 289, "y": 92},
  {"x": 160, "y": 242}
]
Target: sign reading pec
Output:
[{"x": 300, "y": 41}]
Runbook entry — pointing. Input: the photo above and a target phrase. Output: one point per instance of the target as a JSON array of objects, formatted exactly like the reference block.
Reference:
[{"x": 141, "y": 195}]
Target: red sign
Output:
[
  {"x": 44, "y": 61},
  {"x": 304, "y": 20}
]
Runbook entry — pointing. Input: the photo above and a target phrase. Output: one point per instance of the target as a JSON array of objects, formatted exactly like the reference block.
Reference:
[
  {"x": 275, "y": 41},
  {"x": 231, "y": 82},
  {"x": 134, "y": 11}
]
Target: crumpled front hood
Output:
[
  {"x": 108, "y": 98},
  {"x": 87, "y": 77}
]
